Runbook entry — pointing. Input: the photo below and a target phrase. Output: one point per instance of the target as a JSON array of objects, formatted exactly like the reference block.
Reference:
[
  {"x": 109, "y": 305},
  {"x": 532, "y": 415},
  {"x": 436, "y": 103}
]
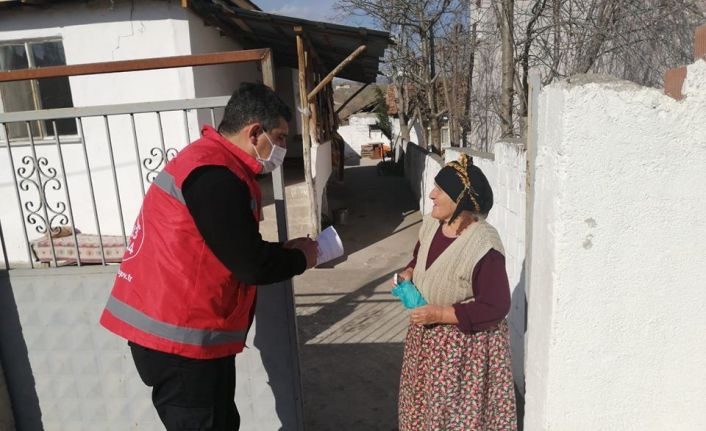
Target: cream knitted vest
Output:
[{"x": 449, "y": 279}]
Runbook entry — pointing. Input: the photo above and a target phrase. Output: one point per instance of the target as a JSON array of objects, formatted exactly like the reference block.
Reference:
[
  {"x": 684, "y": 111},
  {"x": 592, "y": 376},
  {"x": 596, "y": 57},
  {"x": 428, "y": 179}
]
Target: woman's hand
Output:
[
  {"x": 430, "y": 314},
  {"x": 404, "y": 275}
]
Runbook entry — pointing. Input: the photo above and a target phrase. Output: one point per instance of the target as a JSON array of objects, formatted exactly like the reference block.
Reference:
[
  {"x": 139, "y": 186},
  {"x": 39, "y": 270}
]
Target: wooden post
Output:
[
  {"x": 268, "y": 70},
  {"x": 306, "y": 137},
  {"x": 336, "y": 71}
]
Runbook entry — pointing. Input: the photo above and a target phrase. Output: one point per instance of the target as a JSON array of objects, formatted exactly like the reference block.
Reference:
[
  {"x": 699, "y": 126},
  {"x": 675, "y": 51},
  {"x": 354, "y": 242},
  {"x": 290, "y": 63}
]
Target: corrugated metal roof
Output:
[
  {"x": 332, "y": 42},
  {"x": 363, "y": 101}
]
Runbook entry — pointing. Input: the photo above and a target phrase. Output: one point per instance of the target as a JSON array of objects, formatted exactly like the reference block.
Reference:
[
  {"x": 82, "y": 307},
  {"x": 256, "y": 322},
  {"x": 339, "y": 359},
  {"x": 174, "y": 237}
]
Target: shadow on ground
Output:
[
  {"x": 351, "y": 351},
  {"x": 351, "y": 330},
  {"x": 377, "y": 206}
]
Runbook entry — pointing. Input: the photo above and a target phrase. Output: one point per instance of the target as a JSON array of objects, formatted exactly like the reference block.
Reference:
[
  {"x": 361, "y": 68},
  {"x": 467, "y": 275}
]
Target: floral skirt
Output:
[{"x": 453, "y": 381}]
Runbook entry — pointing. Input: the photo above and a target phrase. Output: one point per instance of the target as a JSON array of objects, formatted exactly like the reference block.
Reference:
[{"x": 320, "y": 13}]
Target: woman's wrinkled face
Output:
[{"x": 444, "y": 207}]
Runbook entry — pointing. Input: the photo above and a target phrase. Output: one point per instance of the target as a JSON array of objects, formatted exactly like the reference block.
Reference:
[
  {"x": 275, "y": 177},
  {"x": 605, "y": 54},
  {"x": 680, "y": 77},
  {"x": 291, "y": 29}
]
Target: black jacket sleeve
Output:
[{"x": 219, "y": 202}]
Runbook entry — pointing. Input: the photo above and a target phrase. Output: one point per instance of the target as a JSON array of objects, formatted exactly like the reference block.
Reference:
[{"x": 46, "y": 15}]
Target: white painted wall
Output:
[
  {"x": 358, "y": 133},
  {"x": 220, "y": 80},
  {"x": 322, "y": 169},
  {"x": 617, "y": 305}
]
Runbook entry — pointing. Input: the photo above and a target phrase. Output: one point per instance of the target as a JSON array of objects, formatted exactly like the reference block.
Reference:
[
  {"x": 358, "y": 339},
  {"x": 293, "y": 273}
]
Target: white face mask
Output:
[{"x": 274, "y": 160}]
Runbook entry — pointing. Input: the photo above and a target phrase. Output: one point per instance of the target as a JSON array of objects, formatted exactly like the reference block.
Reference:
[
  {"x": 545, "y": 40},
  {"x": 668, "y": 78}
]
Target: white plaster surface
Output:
[
  {"x": 617, "y": 305},
  {"x": 358, "y": 133}
]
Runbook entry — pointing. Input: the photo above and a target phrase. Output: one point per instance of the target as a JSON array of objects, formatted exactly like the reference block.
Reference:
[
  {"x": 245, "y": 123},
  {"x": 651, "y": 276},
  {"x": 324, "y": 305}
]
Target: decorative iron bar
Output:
[{"x": 41, "y": 179}]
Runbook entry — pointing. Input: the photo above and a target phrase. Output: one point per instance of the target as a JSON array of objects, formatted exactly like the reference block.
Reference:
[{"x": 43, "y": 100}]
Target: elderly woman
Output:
[{"x": 456, "y": 369}]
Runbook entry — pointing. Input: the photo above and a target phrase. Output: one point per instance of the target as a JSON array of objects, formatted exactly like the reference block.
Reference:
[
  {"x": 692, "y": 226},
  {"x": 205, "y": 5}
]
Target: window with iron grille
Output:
[{"x": 36, "y": 94}]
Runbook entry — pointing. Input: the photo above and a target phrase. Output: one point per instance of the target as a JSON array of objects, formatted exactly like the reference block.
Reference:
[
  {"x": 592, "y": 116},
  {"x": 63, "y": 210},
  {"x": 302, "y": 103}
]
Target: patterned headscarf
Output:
[{"x": 466, "y": 185}]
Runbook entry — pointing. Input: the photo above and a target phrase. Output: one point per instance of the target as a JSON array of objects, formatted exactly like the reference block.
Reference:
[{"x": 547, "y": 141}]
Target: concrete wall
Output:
[
  {"x": 358, "y": 133},
  {"x": 420, "y": 168},
  {"x": 617, "y": 305},
  {"x": 65, "y": 372}
]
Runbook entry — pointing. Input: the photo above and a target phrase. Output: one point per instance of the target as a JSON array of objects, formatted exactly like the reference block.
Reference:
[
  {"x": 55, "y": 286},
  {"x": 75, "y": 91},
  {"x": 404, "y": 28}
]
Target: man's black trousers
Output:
[{"x": 189, "y": 394}]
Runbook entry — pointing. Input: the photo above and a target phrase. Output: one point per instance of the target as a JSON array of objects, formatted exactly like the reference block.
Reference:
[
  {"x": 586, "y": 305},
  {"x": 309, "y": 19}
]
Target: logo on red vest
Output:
[{"x": 136, "y": 239}]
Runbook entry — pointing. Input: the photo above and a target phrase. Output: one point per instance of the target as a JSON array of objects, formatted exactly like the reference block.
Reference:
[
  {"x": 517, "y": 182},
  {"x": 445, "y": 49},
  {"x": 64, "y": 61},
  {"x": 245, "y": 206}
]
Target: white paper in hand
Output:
[{"x": 330, "y": 246}]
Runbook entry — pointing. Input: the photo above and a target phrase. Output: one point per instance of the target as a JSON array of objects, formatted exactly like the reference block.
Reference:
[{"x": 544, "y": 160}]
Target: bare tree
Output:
[
  {"x": 468, "y": 61},
  {"x": 414, "y": 59},
  {"x": 505, "y": 13}
]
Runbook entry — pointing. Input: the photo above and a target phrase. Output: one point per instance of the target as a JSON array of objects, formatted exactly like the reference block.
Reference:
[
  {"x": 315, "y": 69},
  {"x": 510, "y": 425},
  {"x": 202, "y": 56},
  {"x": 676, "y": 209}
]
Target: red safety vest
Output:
[{"x": 171, "y": 293}]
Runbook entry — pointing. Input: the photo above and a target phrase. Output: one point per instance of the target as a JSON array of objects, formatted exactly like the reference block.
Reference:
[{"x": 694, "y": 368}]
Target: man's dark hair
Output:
[{"x": 253, "y": 103}]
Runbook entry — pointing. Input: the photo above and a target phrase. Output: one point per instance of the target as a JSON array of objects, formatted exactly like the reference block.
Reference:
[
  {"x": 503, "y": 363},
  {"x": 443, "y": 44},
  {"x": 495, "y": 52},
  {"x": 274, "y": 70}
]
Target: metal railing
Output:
[{"x": 41, "y": 177}]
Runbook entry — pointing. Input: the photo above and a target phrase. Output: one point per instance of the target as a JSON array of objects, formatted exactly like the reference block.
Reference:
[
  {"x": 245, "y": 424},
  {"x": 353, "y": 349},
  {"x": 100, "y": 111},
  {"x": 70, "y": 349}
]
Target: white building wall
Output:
[
  {"x": 358, "y": 133},
  {"x": 220, "y": 80},
  {"x": 617, "y": 306}
]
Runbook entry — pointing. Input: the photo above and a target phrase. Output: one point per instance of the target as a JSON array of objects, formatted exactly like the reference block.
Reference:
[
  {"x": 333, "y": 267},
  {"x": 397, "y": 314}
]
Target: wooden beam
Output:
[
  {"x": 340, "y": 108},
  {"x": 306, "y": 137},
  {"x": 135, "y": 65},
  {"x": 335, "y": 72},
  {"x": 185, "y": 4}
]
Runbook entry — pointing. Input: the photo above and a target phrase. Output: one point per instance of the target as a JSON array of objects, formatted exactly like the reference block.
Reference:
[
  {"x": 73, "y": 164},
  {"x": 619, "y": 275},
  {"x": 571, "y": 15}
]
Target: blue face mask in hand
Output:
[{"x": 409, "y": 295}]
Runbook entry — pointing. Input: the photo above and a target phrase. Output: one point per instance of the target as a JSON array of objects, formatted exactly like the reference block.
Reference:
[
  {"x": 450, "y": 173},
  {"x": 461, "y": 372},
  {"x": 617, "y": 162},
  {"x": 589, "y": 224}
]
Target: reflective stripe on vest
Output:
[
  {"x": 178, "y": 334},
  {"x": 166, "y": 182}
]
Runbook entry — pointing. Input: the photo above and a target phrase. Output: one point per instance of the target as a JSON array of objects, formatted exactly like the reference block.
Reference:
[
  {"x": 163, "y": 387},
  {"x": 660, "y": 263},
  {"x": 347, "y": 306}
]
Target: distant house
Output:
[{"x": 355, "y": 105}]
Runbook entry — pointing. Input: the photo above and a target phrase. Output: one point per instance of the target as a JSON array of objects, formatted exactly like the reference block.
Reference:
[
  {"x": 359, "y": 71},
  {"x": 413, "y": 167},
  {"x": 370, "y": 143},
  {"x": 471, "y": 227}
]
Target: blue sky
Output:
[{"x": 316, "y": 10}]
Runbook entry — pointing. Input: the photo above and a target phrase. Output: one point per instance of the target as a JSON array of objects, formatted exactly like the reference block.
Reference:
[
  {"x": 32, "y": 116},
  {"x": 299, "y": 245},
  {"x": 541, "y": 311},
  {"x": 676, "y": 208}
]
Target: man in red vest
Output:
[{"x": 184, "y": 295}]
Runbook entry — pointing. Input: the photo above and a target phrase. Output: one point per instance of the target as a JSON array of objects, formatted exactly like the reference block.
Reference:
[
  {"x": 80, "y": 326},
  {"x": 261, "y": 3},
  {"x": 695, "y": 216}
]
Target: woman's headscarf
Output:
[{"x": 466, "y": 184}]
